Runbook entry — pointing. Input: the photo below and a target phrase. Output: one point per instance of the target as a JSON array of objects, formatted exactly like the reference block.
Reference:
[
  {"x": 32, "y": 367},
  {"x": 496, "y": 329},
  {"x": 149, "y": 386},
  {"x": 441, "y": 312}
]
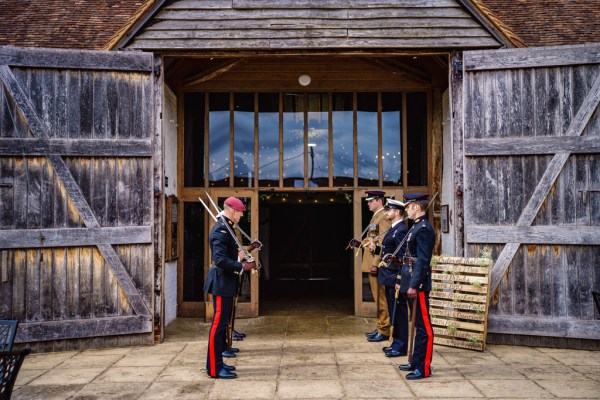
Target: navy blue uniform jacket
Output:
[
  {"x": 420, "y": 245},
  {"x": 393, "y": 237},
  {"x": 222, "y": 277}
]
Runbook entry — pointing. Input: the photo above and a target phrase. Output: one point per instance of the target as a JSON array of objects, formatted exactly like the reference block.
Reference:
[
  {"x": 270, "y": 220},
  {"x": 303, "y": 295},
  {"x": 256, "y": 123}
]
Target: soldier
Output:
[
  {"x": 416, "y": 282},
  {"x": 221, "y": 282},
  {"x": 388, "y": 273},
  {"x": 378, "y": 225}
]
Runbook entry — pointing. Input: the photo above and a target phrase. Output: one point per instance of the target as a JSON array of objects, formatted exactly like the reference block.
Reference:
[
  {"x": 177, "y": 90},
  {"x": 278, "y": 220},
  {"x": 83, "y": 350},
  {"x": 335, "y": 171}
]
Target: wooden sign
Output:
[{"x": 459, "y": 301}]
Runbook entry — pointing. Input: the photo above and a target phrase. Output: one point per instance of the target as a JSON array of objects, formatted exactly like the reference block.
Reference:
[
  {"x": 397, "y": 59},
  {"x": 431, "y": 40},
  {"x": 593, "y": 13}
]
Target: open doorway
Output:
[{"x": 305, "y": 265}]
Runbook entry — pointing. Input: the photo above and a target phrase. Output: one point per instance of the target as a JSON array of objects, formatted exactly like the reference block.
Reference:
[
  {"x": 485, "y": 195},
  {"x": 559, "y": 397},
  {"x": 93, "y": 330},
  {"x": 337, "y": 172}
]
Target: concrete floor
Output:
[{"x": 305, "y": 354}]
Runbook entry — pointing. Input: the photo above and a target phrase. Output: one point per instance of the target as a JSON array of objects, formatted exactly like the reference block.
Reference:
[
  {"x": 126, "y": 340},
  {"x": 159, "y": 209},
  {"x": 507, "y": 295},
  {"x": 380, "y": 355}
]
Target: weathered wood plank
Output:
[
  {"x": 75, "y": 59},
  {"x": 25, "y": 238},
  {"x": 85, "y": 282},
  {"x": 533, "y": 58},
  {"x": 315, "y": 23},
  {"x": 459, "y": 343},
  {"x": 59, "y": 284},
  {"x": 45, "y": 284},
  {"x": 32, "y": 286},
  {"x": 583, "y": 235},
  {"x": 531, "y": 145},
  {"x": 309, "y": 4},
  {"x": 72, "y": 282},
  {"x": 553, "y": 327},
  {"x": 303, "y": 43},
  {"x": 73, "y": 329}
]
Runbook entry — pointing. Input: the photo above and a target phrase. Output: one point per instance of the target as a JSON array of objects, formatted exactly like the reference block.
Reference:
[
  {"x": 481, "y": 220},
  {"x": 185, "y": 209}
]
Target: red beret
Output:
[{"x": 235, "y": 203}]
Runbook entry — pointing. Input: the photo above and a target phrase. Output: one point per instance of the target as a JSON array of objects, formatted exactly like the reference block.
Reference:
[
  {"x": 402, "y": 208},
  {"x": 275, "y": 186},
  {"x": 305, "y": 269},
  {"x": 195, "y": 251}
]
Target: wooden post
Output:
[{"x": 456, "y": 107}]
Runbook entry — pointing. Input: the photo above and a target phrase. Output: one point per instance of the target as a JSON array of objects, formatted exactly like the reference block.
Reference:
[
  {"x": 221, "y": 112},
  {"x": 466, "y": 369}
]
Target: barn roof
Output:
[{"x": 87, "y": 24}]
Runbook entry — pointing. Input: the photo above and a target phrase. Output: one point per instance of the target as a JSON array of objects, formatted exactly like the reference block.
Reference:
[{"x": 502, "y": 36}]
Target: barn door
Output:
[
  {"x": 532, "y": 180},
  {"x": 76, "y": 193}
]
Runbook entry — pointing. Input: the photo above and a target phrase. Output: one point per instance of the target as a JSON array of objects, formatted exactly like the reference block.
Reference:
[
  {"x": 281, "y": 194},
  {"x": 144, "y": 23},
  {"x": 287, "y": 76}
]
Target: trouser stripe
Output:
[
  {"x": 211, "y": 339},
  {"x": 427, "y": 326}
]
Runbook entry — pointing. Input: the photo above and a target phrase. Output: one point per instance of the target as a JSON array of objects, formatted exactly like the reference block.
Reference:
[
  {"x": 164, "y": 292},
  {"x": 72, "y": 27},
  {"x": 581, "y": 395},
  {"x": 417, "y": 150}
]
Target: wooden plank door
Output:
[
  {"x": 532, "y": 185},
  {"x": 76, "y": 193}
]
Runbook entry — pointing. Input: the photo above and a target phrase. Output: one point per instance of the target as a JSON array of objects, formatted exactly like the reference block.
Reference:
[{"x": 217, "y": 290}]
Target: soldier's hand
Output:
[
  {"x": 397, "y": 287},
  {"x": 248, "y": 265},
  {"x": 412, "y": 293},
  {"x": 241, "y": 255},
  {"x": 374, "y": 270},
  {"x": 372, "y": 246},
  {"x": 255, "y": 245}
]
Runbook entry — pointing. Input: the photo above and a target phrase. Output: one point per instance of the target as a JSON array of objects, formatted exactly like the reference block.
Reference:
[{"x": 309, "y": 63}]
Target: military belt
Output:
[{"x": 409, "y": 260}]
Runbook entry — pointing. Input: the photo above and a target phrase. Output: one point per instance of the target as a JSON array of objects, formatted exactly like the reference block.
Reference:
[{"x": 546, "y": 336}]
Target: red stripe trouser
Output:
[
  {"x": 423, "y": 351},
  {"x": 216, "y": 337}
]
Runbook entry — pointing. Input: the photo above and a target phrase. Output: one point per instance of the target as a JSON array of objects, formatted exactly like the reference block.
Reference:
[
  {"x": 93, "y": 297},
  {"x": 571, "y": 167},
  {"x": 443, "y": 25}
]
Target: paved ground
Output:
[{"x": 304, "y": 356}]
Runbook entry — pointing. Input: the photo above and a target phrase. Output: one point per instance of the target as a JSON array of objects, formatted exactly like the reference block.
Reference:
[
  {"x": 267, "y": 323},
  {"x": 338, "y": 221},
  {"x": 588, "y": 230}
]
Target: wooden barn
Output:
[{"x": 117, "y": 117}]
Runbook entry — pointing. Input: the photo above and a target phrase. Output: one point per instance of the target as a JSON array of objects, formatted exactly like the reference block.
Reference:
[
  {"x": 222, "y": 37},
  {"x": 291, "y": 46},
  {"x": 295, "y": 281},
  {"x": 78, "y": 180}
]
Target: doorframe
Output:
[{"x": 244, "y": 310}]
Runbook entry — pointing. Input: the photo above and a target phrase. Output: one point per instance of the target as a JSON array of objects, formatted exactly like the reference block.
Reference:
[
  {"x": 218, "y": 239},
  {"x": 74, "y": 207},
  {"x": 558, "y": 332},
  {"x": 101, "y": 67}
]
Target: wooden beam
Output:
[
  {"x": 71, "y": 237},
  {"x": 61, "y": 170},
  {"x": 75, "y": 147},
  {"x": 457, "y": 121},
  {"x": 75, "y": 59},
  {"x": 398, "y": 67},
  {"x": 208, "y": 75},
  {"x": 540, "y": 326},
  {"x": 511, "y": 145},
  {"x": 564, "y": 234},
  {"x": 549, "y": 56},
  {"x": 80, "y": 328},
  {"x": 540, "y": 193}
]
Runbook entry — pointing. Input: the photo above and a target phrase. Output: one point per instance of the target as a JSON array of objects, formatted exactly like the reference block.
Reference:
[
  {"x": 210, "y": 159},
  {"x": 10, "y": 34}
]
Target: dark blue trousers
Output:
[
  {"x": 400, "y": 322},
  {"x": 423, "y": 351},
  {"x": 216, "y": 336}
]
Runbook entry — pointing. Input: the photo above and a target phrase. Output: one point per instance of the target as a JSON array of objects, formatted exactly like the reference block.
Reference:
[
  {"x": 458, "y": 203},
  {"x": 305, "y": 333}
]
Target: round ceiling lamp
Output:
[{"x": 304, "y": 80}]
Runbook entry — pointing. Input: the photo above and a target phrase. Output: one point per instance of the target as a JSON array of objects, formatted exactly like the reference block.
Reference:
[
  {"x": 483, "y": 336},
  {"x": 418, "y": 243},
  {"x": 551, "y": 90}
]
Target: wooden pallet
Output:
[{"x": 459, "y": 301}]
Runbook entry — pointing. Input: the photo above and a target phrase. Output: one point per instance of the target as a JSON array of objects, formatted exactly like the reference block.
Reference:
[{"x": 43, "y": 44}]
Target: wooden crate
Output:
[{"x": 459, "y": 301}]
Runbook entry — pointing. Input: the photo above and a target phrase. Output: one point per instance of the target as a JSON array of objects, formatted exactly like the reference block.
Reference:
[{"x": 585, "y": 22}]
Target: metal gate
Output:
[
  {"x": 76, "y": 193},
  {"x": 532, "y": 185}
]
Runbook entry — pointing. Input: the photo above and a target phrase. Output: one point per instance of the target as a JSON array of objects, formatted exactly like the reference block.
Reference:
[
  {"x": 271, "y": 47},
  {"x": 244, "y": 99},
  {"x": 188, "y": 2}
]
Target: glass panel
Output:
[
  {"x": 245, "y": 224},
  {"x": 318, "y": 139},
  {"x": 416, "y": 125},
  {"x": 391, "y": 138},
  {"x": 193, "y": 158},
  {"x": 243, "y": 139},
  {"x": 293, "y": 140},
  {"x": 343, "y": 139},
  {"x": 218, "y": 114},
  {"x": 366, "y": 123},
  {"x": 268, "y": 140},
  {"x": 193, "y": 252}
]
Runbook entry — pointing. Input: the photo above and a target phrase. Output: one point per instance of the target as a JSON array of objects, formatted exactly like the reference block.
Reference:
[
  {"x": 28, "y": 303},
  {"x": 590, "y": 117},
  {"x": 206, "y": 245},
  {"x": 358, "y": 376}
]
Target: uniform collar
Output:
[
  {"x": 230, "y": 222},
  {"x": 381, "y": 209},
  {"x": 421, "y": 218},
  {"x": 396, "y": 223}
]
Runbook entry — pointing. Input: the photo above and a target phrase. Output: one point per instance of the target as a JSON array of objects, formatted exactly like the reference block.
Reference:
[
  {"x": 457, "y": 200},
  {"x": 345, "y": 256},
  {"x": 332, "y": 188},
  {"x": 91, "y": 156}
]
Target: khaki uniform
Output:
[{"x": 381, "y": 224}]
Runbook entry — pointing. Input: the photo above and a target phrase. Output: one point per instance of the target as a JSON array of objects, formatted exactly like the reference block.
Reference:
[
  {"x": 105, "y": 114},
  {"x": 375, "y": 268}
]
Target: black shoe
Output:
[
  {"x": 240, "y": 334},
  {"x": 237, "y": 337},
  {"x": 378, "y": 338},
  {"x": 368, "y": 334},
  {"x": 406, "y": 367},
  {"x": 234, "y": 350},
  {"x": 386, "y": 349},
  {"x": 228, "y": 354},
  {"x": 395, "y": 353},
  {"x": 416, "y": 374},
  {"x": 228, "y": 367},
  {"x": 224, "y": 374}
]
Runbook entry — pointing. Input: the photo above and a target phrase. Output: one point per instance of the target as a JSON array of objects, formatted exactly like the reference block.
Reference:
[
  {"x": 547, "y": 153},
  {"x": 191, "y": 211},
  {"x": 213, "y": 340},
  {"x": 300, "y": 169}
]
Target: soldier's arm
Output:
[
  {"x": 384, "y": 225},
  {"x": 425, "y": 240},
  {"x": 220, "y": 255}
]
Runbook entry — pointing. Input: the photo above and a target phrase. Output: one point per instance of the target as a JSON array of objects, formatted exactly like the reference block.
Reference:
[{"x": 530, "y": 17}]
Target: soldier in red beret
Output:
[{"x": 228, "y": 262}]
